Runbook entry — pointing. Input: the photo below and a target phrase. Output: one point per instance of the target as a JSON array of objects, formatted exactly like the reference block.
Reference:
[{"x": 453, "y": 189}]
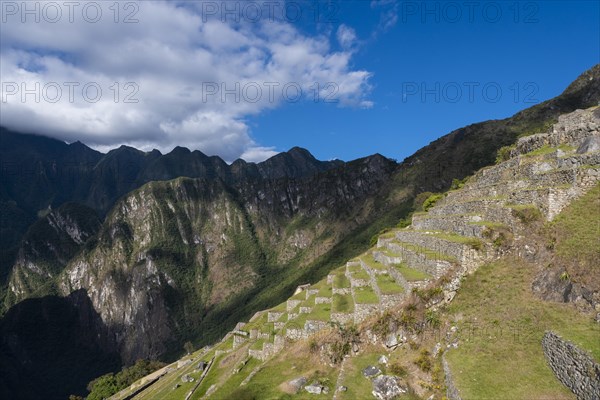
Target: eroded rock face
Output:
[
  {"x": 48, "y": 246},
  {"x": 170, "y": 251},
  {"x": 554, "y": 284},
  {"x": 386, "y": 387}
]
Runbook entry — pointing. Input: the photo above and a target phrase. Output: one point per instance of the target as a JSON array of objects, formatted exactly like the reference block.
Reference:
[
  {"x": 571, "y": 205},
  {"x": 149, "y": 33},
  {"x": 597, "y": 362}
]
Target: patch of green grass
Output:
[
  {"x": 226, "y": 390},
  {"x": 527, "y": 213},
  {"x": 576, "y": 233},
  {"x": 501, "y": 326},
  {"x": 341, "y": 281},
  {"x": 372, "y": 263},
  {"x": 355, "y": 267},
  {"x": 411, "y": 274},
  {"x": 473, "y": 242},
  {"x": 320, "y": 312},
  {"x": 342, "y": 303},
  {"x": 504, "y": 153},
  {"x": 387, "y": 285},
  {"x": 358, "y": 386},
  {"x": 432, "y": 200},
  {"x": 488, "y": 224},
  {"x": 267, "y": 383},
  {"x": 361, "y": 274},
  {"x": 549, "y": 150},
  {"x": 258, "y": 345},
  {"x": 365, "y": 295}
]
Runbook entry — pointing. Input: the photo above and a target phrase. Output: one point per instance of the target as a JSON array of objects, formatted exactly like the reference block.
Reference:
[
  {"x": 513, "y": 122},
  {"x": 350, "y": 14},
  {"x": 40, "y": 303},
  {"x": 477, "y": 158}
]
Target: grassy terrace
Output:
[
  {"x": 256, "y": 324},
  {"x": 411, "y": 274},
  {"x": 474, "y": 243},
  {"x": 501, "y": 325},
  {"x": 372, "y": 263},
  {"x": 342, "y": 303},
  {"x": 320, "y": 312},
  {"x": 355, "y": 267},
  {"x": 488, "y": 224},
  {"x": 361, "y": 274},
  {"x": 365, "y": 295},
  {"x": 387, "y": 285},
  {"x": 427, "y": 253},
  {"x": 340, "y": 281},
  {"x": 549, "y": 150}
]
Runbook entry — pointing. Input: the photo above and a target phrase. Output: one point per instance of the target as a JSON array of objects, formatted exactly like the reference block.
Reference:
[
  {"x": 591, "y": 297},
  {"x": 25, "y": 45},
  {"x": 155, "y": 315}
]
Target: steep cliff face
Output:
[
  {"x": 171, "y": 253},
  {"x": 47, "y": 247},
  {"x": 39, "y": 172}
]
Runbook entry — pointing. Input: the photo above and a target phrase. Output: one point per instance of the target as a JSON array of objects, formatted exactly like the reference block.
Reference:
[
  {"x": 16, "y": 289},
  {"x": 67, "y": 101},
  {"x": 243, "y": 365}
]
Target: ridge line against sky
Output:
[{"x": 343, "y": 79}]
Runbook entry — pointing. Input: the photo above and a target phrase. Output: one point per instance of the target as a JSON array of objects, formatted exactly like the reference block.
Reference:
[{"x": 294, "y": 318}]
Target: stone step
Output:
[
  {"x": 426, "y": 260},
  {"x": 466, "y": 225},
  {"x": 550, "y": 201},
  {"x": 475, "y": 206},
  {"x": 466, "y": 250},
  {"x": 545, "y": 178}
]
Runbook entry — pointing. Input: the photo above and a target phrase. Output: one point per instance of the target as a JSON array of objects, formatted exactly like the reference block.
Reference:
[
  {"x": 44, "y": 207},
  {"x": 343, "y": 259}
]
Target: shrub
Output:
[
  {"x": 504, "y": 153},
  {"x": 420, "y": 199},
  {"x": 458, "y": 183},
  {"x": 431, "y": 200},
  {"x": 398, "y": 370},
  {"x": 432, "y": 319},
  {"x": 109, "y": 384},
  {"x": 527, "y": 214},
  {"x": 424, "y": 361}
]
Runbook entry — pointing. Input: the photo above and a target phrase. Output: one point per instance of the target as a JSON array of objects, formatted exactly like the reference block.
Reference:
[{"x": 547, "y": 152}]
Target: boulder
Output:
[
  {"x": 386, "y": 387},
  {"x": 297, "y": 384},
  {"x": 590, "y": 144},
  {"x": 391, "y": 341},
  {"x": 371, "y": 371},
  {"x": 315, "y": 388},
  {"x": 383, "y": 360}
]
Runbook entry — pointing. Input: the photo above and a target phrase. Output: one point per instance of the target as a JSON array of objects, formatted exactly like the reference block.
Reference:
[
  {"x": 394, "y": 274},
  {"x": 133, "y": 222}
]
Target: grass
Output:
[
  {"x": 549, "y": 150},
  {"x": 501, "y": 326},
  {"x": 474, "y": 243},
  {"x": 575, "y": 233},
  {"x": 340, "y": 281},
  {"x": 365, "y": 295},
  {"x": 387, "y": 285},
  {"x": 342, "y": 303},
  {"x": 225, "y": 391},
  {"x": 372, "y": 263},
  {"x": 258, "y": 345},
  {"x": 488, "y": 224},
  {"x": 355, "y": 267},
  {"x": 358, "y": 386},
  {"x": 361, "y": 274},
  {"x": 411, "y": 274},
  {"x": 269, "y": 382}
]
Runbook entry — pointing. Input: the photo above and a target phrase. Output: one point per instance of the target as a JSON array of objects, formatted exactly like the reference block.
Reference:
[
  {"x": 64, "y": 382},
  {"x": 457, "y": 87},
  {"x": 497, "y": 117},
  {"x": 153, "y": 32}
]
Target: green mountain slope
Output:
[{"x": 443, "y": 307}]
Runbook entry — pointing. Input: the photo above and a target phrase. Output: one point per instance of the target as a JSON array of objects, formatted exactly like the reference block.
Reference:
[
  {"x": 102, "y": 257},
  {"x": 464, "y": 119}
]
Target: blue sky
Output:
[
  {"x": 551, "y": 43},
  {"x": 403, "y": 73}
]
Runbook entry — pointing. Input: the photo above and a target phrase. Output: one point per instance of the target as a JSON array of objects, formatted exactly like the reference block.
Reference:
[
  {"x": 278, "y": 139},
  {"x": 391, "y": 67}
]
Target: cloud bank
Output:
[{"x": 159, "y": 74}]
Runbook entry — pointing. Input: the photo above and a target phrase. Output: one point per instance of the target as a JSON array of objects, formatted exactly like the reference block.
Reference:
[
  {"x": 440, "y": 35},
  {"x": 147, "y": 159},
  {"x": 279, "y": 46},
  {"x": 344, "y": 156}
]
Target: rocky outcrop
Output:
[
  {"x": 47, "y": 247},
  {"x": 575, "y": 368}
]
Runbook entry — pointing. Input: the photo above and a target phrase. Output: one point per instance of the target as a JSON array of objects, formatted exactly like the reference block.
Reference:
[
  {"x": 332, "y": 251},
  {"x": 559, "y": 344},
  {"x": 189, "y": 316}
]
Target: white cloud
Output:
[
  {"x": 346, "y": 36},
  {"x": 174, "y": 58},
  {"x": 389, "y": 14}
]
